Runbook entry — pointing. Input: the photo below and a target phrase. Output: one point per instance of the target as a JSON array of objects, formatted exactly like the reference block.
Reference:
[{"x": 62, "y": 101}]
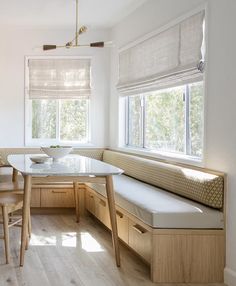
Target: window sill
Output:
[
  {"x": 166, "y": 156},
  {"x": 74, "y": 145}
]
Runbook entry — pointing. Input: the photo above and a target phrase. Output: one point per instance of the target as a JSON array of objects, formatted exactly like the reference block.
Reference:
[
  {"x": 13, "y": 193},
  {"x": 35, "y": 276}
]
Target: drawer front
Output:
[
  {"x": 102, "y": 212},
  {"x": 57, "y": 198},
  {"x": 140, "y": 240},
  {"x": 90, "y": 202},
  {"x": 35, "y": 198},
  {"x": 123, "y": 226}
]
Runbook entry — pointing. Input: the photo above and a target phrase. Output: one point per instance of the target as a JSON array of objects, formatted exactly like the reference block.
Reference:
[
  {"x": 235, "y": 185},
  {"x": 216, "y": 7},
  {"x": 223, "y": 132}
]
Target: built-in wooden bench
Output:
[{"x": 172, "y": 216}]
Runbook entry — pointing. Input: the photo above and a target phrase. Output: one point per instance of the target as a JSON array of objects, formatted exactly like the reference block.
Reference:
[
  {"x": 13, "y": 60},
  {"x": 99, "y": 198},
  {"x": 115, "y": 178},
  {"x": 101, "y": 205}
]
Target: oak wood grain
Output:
[{"x": 50, "y": 262}]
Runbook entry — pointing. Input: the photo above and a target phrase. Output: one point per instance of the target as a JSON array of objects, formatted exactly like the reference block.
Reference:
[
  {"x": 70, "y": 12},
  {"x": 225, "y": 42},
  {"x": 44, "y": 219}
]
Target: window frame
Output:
[
  {"x": 169, "y": 157},
  {"x": 172, "y": 154},
  {"x": 28, "y": 140}
]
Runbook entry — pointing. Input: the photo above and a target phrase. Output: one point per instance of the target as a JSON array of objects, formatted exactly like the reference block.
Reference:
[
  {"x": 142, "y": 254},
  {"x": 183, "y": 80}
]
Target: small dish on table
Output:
[
  {"x": 57, "y": 152},
  {"x": 40, "y": 159}
]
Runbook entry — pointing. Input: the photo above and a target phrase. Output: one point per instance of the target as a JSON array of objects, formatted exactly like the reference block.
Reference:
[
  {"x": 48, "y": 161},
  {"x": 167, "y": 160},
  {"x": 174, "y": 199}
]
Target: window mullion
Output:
[
  {"x": 127, "y": 123},
  {"x": 187, "y": 121},
  {"x": 143, "y": 121},
  {"x": 58, "y": 120},
  {"x": 88, "y": 121}
]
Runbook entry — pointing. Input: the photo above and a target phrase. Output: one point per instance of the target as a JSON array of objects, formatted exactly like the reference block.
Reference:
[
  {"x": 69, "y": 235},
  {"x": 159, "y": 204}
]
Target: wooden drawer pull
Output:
[
  {"x": 91, "y": 196},
  {"x": 102, "y": 202},
  {"x": 59, "y": 192},
  {"x": 139, "y": 229},
  {"x": 119, "y": 214}
]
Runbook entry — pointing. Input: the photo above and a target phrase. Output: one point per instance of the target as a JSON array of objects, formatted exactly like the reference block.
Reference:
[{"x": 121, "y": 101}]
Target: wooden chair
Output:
[
  {"x": 11, "y": 200},
  {"x": 9, "y": 203}
]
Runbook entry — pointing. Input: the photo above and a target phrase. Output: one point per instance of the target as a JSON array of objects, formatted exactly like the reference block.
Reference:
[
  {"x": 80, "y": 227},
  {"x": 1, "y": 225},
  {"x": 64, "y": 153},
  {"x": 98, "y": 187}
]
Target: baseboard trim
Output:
[
  {"x": 230, "y": 277},
  {"x": 48, "y": 211}
]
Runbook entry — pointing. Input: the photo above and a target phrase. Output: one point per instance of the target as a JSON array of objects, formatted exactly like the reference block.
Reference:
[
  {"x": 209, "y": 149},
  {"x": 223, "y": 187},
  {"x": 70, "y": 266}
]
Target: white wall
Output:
[
  {"x": 18, "y": 43},
  {"x": 220, "y": 148}
]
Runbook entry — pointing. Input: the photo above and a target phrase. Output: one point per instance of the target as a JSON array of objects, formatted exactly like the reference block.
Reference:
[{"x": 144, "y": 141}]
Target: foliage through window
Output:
[
  {"x": 60, "y": 120},
  {"x": 169, "y": 120}
]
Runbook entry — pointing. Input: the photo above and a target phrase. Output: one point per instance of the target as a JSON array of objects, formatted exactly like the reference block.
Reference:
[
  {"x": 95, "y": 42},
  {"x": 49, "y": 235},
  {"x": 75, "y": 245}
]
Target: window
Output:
[
  {"x": 169, "y": 120},
  {"x": 60, "y": 120},
  {"x": 58, "y": 99},
  {"x": 161, "y": 78}
]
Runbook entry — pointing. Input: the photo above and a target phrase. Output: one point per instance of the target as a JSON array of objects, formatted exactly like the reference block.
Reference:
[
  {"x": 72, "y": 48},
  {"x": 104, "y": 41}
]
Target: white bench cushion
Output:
[{"x": 159, "y": 208}]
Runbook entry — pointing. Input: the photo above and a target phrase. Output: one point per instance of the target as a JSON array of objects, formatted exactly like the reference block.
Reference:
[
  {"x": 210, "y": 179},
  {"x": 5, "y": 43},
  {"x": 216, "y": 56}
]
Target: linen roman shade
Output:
[
  {"x": 170, "y": 58},
  {"x": 59, "y": 78}
]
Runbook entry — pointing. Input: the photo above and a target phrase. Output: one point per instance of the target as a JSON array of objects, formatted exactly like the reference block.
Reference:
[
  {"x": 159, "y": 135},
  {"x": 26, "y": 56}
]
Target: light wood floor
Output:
[{"x": 64, "y": 253}]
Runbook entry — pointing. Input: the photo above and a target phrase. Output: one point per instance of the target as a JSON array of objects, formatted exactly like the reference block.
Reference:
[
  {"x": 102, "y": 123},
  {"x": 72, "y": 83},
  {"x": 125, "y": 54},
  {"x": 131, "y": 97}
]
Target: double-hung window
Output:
[
  {"x": 169, "y": 120},
  {"x": 161, "y": 80},
  {"x": 58, "y": 95}
]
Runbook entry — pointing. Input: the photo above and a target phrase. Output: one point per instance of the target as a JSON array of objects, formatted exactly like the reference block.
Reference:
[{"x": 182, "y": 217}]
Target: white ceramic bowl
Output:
[{"x": 58, "y": 152}]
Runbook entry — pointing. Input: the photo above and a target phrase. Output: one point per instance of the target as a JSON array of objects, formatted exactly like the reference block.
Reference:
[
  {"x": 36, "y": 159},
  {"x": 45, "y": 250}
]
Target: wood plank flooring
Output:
[{"x": 63, "y": 253}]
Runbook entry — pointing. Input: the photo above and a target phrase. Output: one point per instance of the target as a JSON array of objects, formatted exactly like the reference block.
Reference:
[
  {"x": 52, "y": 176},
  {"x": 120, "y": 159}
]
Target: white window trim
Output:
[
  {"x": 28, "y": 140},
  {"x": 173, "y": 157},
  {"x": 162, "y": 153},
  {"x": 167, "y": 156}
]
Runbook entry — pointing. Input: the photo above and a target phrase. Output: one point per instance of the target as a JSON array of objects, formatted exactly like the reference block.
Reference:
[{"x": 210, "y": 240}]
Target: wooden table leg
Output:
[
  {"x": 76, "y": 194},
  {"x": 25, "y": 216},
  {"x": 112, "y": 211}
]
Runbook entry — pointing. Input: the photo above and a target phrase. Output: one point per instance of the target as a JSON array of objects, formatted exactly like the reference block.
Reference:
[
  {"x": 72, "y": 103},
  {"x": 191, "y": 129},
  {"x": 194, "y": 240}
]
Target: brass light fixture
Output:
[{"x": 74, "y": 43}]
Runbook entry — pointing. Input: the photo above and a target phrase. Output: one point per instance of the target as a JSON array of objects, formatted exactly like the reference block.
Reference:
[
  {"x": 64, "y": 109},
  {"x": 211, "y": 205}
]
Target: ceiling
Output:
[{"x": 61, "y": 13}]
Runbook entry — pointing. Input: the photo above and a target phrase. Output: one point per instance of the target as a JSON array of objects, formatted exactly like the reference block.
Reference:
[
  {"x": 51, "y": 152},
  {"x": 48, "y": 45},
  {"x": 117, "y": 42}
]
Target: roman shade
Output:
[
  {"x": 170, "y": 58},
  {"x": 59, "y": 78}
]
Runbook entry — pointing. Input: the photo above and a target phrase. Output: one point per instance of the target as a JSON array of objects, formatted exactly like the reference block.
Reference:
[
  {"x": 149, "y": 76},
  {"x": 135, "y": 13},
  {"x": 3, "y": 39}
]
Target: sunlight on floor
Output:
[
  {"x": 43, "y": 240},
  {"x": 68, "y": 239},
  {"x": 90, "y": 244}
]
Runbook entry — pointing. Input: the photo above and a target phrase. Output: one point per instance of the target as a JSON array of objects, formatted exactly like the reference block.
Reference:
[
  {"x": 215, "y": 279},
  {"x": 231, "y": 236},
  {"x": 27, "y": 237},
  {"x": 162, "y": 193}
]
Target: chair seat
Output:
[
  {"x": 11, "y": 200},
  {"x": 11, "y": 186}
]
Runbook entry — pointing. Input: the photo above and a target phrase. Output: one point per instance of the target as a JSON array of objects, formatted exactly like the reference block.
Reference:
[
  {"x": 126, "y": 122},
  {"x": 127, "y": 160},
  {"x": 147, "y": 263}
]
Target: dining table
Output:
[{"x": 71, "y": 168}]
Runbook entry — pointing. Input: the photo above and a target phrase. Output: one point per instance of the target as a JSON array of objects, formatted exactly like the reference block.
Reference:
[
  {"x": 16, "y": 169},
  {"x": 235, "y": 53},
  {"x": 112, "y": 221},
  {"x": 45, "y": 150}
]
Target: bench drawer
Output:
[
  {"x": 140, "y": 240},
  {"x": 102, "y": 212},
  {"x": 60, "y": 198},
  {"x": 123, "y": 226}
]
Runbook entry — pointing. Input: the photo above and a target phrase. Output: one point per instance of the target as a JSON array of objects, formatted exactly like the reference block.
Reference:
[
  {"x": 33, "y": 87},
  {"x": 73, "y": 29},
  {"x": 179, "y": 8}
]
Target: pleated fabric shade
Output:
[
  {"x": 170, "y": 58},
  {"x": 59, "y": 78}
]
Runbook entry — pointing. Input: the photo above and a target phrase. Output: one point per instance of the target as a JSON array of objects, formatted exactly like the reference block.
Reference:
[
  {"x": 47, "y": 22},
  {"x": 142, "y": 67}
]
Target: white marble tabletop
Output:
[{"x": 70, "y": 165}]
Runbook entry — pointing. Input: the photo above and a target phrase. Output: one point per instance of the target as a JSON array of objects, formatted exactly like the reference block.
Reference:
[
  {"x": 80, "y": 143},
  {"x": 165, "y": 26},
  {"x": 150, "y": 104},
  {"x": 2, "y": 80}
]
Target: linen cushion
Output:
[
  {"x": 158, "y": 208},
  {"x": 199, "y": 186},
  {"x": 91, "y": 153}
]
